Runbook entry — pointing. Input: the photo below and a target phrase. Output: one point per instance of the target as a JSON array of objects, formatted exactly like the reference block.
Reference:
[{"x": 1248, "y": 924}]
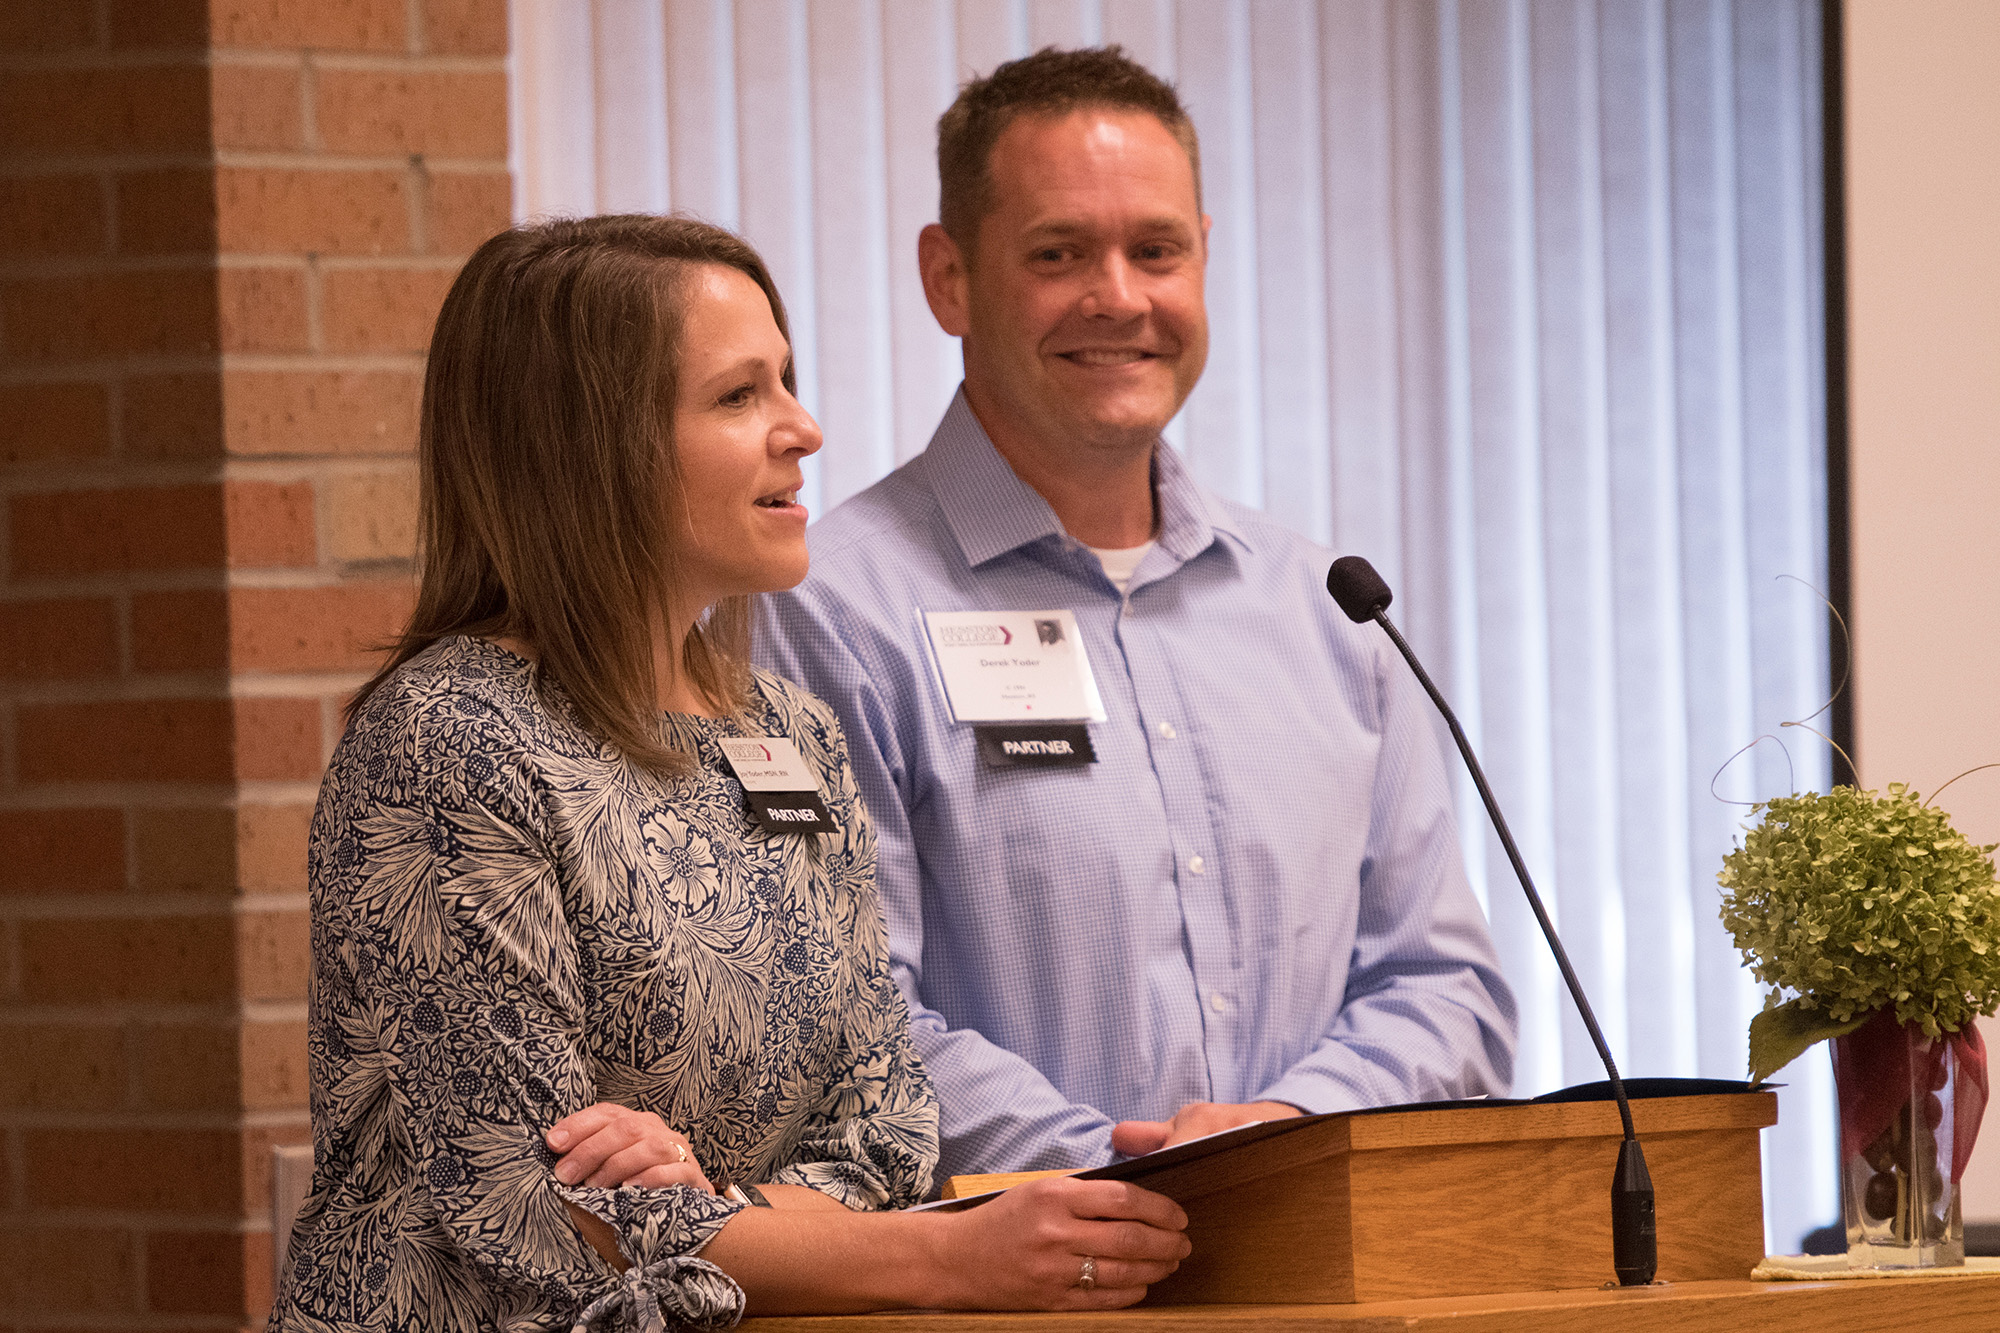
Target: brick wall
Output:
[{"x": 224, "y": 231}]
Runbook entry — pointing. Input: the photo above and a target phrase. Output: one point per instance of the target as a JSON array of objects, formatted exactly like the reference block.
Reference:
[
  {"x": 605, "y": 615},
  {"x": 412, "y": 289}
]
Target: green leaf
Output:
[{"x": 1781, "y": 1035}]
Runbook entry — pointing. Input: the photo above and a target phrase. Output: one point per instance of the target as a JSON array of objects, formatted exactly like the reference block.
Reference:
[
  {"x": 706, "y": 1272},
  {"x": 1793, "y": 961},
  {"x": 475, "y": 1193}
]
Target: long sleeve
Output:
[
  {"x": 1426, "y": 1013},
  {"x": 447, "y": 976},
  {"x": 995, "y": 1106},
  {"x": 872, "y": 1142}
]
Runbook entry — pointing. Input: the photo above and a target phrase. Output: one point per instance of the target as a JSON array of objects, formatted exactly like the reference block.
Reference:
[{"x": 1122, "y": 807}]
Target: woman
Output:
[{"x": 562, "y": 980}]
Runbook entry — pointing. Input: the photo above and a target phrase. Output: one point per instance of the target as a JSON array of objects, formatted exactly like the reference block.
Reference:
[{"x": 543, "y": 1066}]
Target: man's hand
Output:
[{"x": 1137, "y": 1137}]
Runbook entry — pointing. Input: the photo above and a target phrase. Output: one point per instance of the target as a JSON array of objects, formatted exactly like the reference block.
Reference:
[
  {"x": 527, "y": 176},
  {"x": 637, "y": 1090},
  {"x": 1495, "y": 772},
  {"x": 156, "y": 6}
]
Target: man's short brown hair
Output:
[{"x": 1050, "y": 82}]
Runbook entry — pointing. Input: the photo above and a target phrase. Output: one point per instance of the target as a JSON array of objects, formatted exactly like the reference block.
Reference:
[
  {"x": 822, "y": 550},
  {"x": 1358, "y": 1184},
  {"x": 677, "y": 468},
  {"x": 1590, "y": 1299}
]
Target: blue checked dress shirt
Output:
[{"x": 1255, "y": 894}]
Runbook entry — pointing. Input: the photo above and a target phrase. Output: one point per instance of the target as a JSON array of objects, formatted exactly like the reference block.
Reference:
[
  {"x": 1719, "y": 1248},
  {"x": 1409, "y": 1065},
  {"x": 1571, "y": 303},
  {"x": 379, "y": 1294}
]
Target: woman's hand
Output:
[
  {"x": 610, "y": 1145},
  {"x": 1026, "y": 1249}
]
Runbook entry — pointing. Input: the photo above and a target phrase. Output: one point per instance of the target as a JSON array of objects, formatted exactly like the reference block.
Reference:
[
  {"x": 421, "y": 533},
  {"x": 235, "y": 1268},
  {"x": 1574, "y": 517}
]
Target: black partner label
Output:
[
  {"x": 1035, "y": 745},
  {"x": 789, "y": 811}
]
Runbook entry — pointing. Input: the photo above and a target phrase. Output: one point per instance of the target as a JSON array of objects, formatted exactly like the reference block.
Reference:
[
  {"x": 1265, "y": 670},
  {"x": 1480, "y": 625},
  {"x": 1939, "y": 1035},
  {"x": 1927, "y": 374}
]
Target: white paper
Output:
[
  {"x": 768, "y": 763},
  {"x": 1013, "y": 666}
]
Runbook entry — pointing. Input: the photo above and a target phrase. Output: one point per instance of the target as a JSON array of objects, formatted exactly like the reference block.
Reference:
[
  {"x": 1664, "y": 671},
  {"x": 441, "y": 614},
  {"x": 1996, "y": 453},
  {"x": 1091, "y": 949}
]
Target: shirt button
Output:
[
  {"x": 1127, "y": 612},
  {"x": 1167, "y": 731},
  {"x": 1196, "y": 865},
  {"x": 1218, "y": 1002}
]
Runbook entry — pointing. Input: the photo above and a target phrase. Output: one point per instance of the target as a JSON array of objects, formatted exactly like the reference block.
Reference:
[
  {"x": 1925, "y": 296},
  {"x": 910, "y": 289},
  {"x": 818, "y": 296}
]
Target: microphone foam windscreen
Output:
[{"x": 1358, "y": 588}]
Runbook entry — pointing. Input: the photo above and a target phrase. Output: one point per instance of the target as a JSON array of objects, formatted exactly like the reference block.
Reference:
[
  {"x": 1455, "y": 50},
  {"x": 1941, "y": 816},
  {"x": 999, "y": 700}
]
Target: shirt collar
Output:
[{"x": 991, "y": 511}]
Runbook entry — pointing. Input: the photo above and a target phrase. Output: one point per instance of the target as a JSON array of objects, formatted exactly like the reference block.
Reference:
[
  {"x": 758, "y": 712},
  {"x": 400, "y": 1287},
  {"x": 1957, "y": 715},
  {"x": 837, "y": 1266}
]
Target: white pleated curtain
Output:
[{"x": 1518, "y": 298}]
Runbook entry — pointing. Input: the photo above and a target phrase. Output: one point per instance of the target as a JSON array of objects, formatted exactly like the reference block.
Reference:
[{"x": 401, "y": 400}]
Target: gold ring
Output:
[
  {"x": 1087, "y": 1279},
  {"x": 681, "y": 1148}
]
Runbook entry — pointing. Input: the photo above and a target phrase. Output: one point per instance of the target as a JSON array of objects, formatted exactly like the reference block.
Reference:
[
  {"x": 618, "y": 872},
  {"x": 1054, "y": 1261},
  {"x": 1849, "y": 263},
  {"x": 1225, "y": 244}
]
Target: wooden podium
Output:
[{"x": 1397, "y": 1205}]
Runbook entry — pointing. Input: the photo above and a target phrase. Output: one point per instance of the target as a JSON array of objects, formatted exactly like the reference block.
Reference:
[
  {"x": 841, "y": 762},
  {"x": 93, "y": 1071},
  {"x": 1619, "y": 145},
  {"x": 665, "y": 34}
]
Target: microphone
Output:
[{"x": 1363, "y": 595}]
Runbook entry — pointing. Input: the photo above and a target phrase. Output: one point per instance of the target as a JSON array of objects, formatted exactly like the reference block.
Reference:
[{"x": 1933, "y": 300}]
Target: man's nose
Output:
[{"x": 1114, "y": 291}]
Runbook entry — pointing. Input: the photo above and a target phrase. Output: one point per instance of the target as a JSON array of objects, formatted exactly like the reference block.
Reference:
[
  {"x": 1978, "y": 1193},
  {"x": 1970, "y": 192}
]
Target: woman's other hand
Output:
[
  {"x": 1026, "y": 1249},
  {"x": 611, "y": 1145}
]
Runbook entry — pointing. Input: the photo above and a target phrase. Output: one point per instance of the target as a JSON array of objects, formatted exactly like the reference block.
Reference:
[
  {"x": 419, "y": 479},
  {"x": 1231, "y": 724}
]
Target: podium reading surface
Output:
[{"x": 1456, "y": 1200}]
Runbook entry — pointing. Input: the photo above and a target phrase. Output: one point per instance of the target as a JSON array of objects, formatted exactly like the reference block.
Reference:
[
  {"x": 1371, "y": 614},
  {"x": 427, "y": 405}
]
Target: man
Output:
[{"x": 1251, "y": 903}]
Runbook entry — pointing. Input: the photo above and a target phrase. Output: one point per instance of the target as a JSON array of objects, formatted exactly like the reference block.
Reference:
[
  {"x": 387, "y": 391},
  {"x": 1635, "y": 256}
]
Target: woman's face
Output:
[{"x": 741, "y": 435}]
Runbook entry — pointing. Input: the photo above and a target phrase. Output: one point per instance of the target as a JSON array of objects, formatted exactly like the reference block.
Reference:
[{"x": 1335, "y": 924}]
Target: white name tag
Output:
[
  {"x": 768, "y": 763},
  {"x": 782, "y": 793},
  {"x": 1013, "y": 666}
]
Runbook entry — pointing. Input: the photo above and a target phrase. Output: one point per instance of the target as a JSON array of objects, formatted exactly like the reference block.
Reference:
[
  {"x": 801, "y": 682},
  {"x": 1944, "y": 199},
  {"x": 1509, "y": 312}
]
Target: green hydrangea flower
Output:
[{"x": 1848, "y": 902}]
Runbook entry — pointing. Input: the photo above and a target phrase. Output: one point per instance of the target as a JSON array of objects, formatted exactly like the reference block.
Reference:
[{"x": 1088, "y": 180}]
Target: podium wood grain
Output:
[
  {"x": 1931, "y": 1305},
  {"x": 1455, "y": 1202}
]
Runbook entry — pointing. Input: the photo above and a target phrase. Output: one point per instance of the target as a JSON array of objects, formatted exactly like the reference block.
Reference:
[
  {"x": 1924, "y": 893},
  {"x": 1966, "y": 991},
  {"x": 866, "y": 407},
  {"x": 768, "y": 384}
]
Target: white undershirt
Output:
[{"x": 1121, "y": 564}]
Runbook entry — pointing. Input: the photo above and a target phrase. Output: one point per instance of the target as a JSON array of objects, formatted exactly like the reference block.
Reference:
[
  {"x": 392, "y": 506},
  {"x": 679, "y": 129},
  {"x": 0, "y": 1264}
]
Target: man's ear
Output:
[{"x": 947, "y": 285}]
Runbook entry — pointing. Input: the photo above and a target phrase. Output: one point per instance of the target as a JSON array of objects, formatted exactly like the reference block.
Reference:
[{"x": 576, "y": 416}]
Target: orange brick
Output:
[
  {"x": 46, "y": 27},
  {"x": 340, "y": 627},
  {"x": 202, "y": 1272},
  {"x": 321, "y": 412},
  {"x": 258, "y": 107},
  {"x": 273, "y": 953},
  {"x": 176, "y": 1171},
  {"x": 54, "y": 1269},
  {"x": 443, "y": 114},
  {"x": 185, "y": 629},
  {"x": 164, "y": 960},
  {"x": 40, "y": 422},
  {"x": 184, "y": 850},
  {"x": 272, "y": 210},
  {"x": 279, "y": 740},
  {"x": 58, "y": 638},
  {"x": 332, "y": 25},
  {"x": 271, "y": 847},
  {"x": 109, "y": 314},
  {"x": 62, "y": 851},
  {"x": 61, "y": 1067},
  {"x": 166, "y": 212},
  {"x": 270, "y": 524},
  {"x": 126, "y": 740},
  {"x": 90, "y": 532},
  {"x": 176, "y": 416},
  {"x": 274, "y": 1066},
  {"x": 467, "y": 208},
  {"x": 51, "y": 215},
  {"x": 262, "y": 309},
  {"x": 372, "y": 515},
  {"x": 129, "y": 109},
  {"x": 466, "y": 27},
  {"x": 381, "y": 309},
  {"x": 193, "y": 1067},
  {"x": 159, "y": 23}
]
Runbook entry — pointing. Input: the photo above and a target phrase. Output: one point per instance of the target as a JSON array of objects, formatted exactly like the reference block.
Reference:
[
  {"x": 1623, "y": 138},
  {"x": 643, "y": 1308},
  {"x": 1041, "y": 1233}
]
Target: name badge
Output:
[
  {"x": 1013, "y": 666},
  {"x": 1034, "y": 745},
  {"x": 782, "y": 792}
]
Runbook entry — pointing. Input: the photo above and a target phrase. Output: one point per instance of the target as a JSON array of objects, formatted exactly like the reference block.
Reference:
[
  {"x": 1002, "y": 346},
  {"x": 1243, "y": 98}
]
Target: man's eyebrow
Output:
[{"x": 1067, "y": 228}]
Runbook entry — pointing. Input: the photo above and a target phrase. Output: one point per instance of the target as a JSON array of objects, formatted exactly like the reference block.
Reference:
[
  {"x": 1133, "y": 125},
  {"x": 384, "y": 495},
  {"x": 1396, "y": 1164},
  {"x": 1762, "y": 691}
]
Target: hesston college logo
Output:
[{"x": 974, "y": 636}]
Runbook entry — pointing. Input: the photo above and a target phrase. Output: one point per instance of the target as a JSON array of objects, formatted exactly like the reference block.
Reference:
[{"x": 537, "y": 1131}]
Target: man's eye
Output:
[{"x": 1052, "y": 255}]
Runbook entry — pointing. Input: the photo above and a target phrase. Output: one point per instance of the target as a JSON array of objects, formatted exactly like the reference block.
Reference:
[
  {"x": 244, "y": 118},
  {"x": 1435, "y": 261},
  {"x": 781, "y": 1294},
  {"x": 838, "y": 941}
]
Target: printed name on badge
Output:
[
  {"x": 1013, "y": 666},
  {"x": 780, "y": 789}
]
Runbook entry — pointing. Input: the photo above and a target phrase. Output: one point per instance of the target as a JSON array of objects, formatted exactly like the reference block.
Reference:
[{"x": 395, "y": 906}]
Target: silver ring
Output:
[
  {"x": 1087, "y": 1279},
  {"x": 681, "y": 1148}
]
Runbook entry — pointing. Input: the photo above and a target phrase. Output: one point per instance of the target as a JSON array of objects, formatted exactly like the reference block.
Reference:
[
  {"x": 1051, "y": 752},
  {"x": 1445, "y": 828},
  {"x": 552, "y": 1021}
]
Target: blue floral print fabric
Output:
[{"x": 511, "y": 922}]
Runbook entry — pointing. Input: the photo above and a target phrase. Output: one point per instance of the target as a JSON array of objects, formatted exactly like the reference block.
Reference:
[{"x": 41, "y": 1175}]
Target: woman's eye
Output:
[{"x": 737, "y": 397}]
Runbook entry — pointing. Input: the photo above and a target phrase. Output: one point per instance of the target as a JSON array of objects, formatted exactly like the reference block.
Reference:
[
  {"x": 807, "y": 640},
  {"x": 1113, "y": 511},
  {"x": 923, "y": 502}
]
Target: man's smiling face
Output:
[{"x": 1086, "y": 326}]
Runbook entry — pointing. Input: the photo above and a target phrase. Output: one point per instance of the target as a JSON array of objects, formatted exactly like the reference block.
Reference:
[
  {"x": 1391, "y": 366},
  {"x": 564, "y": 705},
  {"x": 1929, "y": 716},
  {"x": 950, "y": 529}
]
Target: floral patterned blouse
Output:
[{"x": 509, "y": 923}]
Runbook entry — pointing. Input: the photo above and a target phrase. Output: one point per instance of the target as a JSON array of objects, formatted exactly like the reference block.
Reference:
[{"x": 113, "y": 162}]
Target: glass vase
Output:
[{"x": 1910, "y": 1106}]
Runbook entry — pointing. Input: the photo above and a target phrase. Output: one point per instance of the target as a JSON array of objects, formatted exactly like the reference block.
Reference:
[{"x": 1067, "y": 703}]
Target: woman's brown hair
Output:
[{"x": 549, "y": 482}]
